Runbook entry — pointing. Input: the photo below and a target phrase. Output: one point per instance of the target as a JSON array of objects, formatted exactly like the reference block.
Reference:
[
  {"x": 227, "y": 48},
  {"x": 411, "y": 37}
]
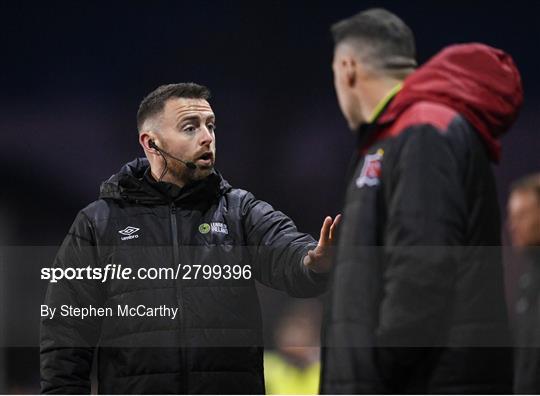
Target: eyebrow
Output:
[
  {"x": 196, "y": 118},
  {"x": 187, "y": 119}
]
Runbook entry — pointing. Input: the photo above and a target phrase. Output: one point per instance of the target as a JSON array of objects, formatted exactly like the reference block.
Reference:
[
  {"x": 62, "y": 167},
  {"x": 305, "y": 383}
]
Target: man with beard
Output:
[
  {"x": 417, "y": 301},
  {"x": 174, "y": 211}
]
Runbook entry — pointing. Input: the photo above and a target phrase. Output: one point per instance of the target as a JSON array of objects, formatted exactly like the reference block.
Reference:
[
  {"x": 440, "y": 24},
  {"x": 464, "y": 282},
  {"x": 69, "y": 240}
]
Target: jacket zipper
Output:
[
  {"x": 176, "y": 262},
  {"x": 174, "y": 229}
]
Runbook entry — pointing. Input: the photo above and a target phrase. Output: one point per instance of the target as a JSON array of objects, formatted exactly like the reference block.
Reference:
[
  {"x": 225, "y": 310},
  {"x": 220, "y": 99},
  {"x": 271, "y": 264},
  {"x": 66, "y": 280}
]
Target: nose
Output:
[{"x": 207, "y": 137}]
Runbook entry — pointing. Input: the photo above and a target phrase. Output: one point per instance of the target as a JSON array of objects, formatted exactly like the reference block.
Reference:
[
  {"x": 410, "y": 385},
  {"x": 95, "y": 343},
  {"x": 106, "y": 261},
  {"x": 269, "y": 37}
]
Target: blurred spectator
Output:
[
  {"x": 294, "y": 367},
  {"x": 524, "y": 224}
]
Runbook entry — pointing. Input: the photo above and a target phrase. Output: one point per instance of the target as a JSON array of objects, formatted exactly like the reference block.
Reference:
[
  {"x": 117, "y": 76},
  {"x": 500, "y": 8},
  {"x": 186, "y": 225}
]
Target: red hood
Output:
[{"x": 479, "y": 82}]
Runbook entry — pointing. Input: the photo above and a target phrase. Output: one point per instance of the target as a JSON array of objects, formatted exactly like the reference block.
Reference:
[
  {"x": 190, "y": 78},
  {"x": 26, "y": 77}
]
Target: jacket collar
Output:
[
  {"x": 134, "y": 184},
  {"x": 367, "y": 133},
  {"x": 383, "y": 103}
]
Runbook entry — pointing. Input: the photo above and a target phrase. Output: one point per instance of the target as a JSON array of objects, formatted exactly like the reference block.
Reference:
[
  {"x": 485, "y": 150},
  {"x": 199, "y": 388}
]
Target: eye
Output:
[
  {"x": 211, "y": 127},
  {"x": 190, "y": 128}
]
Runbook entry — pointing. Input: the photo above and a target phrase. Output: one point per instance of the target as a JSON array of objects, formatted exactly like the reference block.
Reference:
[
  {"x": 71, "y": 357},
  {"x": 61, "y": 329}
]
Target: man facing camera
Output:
[
  {"x": 417, "y": 301},
  {"x": 186, "y": 318}
]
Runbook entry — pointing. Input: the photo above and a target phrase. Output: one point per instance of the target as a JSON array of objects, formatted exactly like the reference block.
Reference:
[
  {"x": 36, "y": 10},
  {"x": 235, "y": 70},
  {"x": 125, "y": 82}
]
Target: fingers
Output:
[
  {"x": 325, "y": 231},
  {"x": 333, "y": 228}
]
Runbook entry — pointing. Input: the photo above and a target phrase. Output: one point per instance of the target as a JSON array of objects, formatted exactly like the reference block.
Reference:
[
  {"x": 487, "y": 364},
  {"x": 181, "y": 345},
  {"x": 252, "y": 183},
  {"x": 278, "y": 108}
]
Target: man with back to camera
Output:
[
  {"x": 172, "y": 208},
  {"x": 524, "y": 225},
  {"x": 417, "y": 301}
]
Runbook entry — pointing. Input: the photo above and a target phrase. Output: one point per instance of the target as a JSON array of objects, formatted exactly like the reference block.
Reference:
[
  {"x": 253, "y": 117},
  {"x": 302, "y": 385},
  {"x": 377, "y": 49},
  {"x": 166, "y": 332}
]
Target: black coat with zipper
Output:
[
  {"x": 214, "y": 345},
  {"x": 417, "y": 302}
]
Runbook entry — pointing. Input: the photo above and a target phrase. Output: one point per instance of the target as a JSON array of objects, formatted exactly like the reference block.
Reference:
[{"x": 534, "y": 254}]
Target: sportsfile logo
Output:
[{"x": 129, "y": 233}]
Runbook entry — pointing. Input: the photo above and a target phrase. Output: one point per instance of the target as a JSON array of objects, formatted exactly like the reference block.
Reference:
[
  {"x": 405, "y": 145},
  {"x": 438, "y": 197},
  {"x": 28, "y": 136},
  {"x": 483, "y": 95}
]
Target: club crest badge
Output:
[{"x": 371, "y": 170}]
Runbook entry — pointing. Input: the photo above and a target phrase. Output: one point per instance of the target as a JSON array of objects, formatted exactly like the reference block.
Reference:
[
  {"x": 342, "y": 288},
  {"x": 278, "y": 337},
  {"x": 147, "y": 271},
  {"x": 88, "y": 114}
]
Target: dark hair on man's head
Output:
[
  {"x": 154, "y": 102},
  {"x": 528, "y": 183},
  {"x": 381, "y": 38}
]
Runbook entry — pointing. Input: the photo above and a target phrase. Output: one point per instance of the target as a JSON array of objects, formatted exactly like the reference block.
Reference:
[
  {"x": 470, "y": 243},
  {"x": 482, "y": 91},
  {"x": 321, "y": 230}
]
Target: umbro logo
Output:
[{"x": 129, "y": 232}]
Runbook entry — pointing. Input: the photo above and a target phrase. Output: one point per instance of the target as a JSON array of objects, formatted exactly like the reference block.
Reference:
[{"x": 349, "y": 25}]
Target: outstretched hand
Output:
[{"x": 320, "y": 259}]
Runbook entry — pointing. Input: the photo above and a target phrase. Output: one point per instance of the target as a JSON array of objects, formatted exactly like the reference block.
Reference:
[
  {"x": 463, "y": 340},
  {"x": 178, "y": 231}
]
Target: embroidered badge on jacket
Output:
[{"x": 371, "y": 170}]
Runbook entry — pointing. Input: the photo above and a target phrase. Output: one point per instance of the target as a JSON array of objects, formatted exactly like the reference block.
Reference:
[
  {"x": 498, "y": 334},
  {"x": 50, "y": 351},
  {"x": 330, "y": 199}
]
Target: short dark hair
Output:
[
  {"x": 154, "y": 102},
  {"x": 386, "y": 42},
  {"x": 528, "y": 183}
]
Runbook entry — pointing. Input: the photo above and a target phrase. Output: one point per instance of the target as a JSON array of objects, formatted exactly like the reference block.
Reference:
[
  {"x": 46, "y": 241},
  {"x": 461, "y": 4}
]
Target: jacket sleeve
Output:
[
  {"x": 278, "y": 250},
  {"x": 67, "y": 343},
  {"x": 426, "y": 221}
]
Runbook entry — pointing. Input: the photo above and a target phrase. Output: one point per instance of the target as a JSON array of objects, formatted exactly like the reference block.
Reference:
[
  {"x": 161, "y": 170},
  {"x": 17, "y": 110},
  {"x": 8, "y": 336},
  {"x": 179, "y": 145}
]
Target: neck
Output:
[
  {"x": 167, "y": 178},
  {"x": 375, "y": 91}
]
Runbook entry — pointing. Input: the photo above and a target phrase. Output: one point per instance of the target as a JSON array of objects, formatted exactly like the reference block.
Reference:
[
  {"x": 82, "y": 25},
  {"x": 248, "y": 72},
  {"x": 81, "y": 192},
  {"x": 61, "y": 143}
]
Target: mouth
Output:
[{"x": 206, "y": 159}]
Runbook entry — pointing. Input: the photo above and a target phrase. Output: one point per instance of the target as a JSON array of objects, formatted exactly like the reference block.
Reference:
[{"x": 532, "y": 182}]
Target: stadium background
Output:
[{"x": 74, "y": 73}]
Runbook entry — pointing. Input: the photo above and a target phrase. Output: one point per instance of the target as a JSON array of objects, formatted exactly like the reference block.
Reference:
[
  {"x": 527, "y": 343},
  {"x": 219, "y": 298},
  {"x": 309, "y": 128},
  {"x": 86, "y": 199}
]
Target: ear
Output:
[
  {"x": 345, "y": 68},
  {"x": 144, "y": 140},
  {"x": 351, "y": 71}
]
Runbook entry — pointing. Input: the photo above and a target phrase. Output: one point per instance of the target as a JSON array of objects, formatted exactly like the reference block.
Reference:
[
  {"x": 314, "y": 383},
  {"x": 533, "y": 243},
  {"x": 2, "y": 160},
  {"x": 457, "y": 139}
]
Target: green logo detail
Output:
[{"x": 204, "y": 228}]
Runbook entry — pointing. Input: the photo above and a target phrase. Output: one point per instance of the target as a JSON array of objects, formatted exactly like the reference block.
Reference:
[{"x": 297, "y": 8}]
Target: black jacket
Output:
[
  {"x": 214, "y": 345},
  {"x": 417, "y": 301}
]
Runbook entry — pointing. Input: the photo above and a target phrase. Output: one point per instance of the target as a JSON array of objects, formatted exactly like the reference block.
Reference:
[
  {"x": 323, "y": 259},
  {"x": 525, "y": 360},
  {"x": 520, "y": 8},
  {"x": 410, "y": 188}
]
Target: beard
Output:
[{"x": 181, "y": 173}]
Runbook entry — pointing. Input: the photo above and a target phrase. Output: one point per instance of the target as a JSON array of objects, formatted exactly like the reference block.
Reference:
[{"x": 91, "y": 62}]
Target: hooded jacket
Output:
[
  {"x": 218, "y": 240},
  {"x": 417, "y": 301}
]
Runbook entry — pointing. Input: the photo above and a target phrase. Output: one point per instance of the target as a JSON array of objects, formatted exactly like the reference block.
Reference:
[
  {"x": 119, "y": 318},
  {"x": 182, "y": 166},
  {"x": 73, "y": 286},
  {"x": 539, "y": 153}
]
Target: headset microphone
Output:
[{"x": 188, "y": 164}]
